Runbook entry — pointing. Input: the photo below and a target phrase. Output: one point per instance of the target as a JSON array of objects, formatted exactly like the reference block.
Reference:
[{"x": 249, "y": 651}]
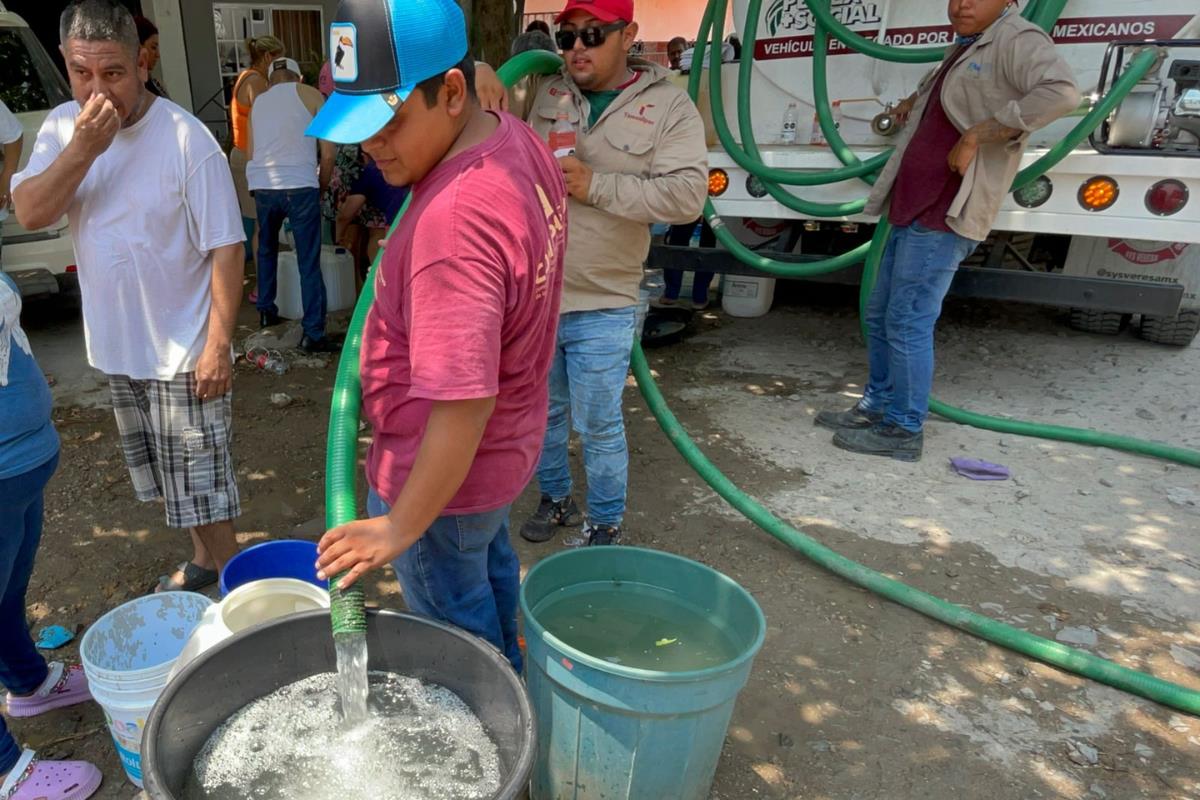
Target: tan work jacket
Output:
[
  {"x": 650, "y": 164},
  {"x": 1012, "y": 74}
]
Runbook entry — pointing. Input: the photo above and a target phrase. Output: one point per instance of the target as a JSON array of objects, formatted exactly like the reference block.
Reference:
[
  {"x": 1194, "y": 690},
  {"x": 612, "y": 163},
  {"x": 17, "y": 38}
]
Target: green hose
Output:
[
  {"x": 751, "y": 158},
  {"x": 346, "y": 608},
  {"x": 901, "y": 55},
  {"x": 1054, "y": 653}
]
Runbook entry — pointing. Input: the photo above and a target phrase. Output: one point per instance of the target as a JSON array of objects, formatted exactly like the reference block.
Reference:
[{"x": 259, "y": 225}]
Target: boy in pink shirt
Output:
[{"x": 458, "y": 346}]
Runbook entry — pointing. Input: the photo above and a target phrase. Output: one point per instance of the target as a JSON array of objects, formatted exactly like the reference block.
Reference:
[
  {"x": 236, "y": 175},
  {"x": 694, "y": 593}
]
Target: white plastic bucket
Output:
[
  {"x": 248, "y": 605},
  {"x": 128, "y": 655},
  {"x": 337, "y": 269},
  {"x": 745, "y": 296}
]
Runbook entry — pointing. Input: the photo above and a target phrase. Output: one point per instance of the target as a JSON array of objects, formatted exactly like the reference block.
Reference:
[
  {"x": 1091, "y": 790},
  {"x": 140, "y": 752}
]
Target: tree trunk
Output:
[{"x": 492, "y": 25}]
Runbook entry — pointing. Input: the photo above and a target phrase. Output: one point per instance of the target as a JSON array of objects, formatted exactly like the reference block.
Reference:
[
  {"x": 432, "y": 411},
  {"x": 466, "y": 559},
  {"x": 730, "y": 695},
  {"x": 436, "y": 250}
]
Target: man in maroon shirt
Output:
[
  {"x": 941, "y": 191},
  {"x": 458, "y": 345}
]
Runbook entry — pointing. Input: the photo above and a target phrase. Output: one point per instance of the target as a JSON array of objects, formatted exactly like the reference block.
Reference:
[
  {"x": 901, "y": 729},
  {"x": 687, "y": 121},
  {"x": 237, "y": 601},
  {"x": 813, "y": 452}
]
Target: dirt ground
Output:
[{"x": 851, "y": 697}]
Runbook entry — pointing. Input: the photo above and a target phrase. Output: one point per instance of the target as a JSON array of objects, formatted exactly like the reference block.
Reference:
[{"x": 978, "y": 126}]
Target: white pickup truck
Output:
[{"x": 41, "y": 262}]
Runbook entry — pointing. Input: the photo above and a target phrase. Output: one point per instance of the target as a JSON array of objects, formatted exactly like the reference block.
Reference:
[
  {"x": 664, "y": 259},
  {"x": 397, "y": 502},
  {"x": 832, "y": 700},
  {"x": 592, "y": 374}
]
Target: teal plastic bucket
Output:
[{"x": 612, "y": 731}]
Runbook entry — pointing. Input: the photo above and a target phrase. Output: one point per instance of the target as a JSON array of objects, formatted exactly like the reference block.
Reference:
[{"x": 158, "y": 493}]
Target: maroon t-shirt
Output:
[
  {"x": 925, "y": 185},
  {"x": 466, "y": 307}
]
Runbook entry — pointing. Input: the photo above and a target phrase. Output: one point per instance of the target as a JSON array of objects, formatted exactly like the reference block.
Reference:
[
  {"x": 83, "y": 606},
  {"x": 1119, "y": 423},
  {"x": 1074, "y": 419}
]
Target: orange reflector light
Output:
[
  {"x": 718, "y": 182},
  {"x": 1098, "y": 193}
]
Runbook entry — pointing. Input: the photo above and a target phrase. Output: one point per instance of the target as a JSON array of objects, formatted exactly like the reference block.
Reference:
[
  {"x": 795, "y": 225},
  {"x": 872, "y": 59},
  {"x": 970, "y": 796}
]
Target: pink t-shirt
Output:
[{"x": 466, "y": 307}]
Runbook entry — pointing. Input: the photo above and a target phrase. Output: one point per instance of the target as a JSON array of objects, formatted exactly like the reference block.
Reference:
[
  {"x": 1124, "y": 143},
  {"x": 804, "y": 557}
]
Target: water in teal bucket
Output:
[{"x": 635, "y": 625}]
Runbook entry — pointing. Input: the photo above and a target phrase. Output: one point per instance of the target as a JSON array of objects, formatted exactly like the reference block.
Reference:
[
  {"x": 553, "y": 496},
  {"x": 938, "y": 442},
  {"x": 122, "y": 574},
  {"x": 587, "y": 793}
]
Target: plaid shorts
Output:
[{"x": 178, "y": 447}]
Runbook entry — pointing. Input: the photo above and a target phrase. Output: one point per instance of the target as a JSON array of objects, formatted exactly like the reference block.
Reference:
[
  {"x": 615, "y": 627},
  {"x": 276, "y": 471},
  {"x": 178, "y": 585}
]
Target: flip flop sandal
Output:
[
  {"x": 64, "y": 686},
  {"x": 195, "y": 578},
  {"x": 32, "y": 779}
]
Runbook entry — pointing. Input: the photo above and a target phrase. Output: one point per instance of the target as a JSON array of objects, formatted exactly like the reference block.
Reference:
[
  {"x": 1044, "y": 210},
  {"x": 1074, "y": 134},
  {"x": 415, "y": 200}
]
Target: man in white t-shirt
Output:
[
  {"x": 158, "y": 240},
  {"x": 11, "y": 136},
  {"x": 283, "y": 178}
]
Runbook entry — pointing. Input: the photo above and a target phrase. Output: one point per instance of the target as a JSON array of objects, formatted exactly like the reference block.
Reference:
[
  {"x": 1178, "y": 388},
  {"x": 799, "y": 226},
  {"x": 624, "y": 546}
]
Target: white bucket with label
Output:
[
  {"x": 128, "y": 655},
  {"x": 745, "y": 296}
]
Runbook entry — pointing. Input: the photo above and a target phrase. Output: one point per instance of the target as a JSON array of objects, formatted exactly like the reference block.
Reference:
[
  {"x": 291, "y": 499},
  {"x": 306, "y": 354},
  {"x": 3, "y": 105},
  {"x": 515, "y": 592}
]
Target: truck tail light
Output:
[{"x": 1166, "y": 197}]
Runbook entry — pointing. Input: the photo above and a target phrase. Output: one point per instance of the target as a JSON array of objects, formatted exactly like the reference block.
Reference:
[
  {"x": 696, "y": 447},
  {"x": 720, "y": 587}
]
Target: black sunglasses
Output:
[{"x": 592, "y": 36}]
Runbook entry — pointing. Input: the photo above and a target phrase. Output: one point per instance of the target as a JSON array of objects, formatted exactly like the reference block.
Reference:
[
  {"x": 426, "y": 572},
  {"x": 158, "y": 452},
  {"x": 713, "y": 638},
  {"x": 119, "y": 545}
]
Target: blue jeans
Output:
[
  {"x": 587, "y": 379},
  {"x": 22, "y": 668},
  {"x": 463, "y": 571},
  {"x": 681, "y": 236},
  {"x": 303, "y": 208},
  {"x": 915, "y": 273}
]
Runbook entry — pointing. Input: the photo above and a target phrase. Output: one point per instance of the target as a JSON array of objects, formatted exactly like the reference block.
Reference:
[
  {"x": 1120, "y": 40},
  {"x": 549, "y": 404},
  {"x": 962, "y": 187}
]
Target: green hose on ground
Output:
[{"x": 1054, "y": 653}]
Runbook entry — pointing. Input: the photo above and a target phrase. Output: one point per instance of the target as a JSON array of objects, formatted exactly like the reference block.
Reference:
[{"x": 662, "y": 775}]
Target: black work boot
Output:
[
  {"x": 322, "y": 345},
  {"x": 550, "y": 515},
  {"x": 598, "y": 535},
  {"x": 268, "y": 319},
  {"x": 853, "y": 419},
  {"x": 884, "y": 439}
]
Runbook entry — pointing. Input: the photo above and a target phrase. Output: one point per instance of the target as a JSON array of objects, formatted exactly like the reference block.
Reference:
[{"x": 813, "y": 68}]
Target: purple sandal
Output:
[
  {"x": 64, "y": 686},
  {"x": 32, "y": 779}
]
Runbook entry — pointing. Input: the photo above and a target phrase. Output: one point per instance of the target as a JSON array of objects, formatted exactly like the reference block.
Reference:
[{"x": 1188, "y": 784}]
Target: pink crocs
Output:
[
  {"x": 31, "y": 779},
  {"x": 64, "y": 686}
]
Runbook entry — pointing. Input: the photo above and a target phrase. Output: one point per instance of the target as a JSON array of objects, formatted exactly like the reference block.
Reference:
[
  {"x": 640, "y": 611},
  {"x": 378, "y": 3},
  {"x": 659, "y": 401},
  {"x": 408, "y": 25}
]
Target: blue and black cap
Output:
[{"x": 379, "y": 50}]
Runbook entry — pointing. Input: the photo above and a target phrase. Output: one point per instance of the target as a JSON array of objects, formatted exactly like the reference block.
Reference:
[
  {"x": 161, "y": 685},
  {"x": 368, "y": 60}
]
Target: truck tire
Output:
[
  {"x": 1179, "y": 330},
  {"x": 1107, "y": 322}
]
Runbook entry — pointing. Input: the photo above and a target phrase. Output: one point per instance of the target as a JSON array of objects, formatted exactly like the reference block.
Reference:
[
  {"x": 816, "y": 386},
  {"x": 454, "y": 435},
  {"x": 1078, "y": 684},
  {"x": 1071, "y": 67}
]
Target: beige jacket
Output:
[
  {"x": 1012, "y": 74},
  {"x": 650, "y": 165}
]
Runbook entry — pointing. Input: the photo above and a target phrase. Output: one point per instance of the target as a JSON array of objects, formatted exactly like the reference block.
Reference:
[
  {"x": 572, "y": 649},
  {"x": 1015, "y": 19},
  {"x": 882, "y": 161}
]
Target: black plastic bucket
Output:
[{"x": 264, "y": 658}]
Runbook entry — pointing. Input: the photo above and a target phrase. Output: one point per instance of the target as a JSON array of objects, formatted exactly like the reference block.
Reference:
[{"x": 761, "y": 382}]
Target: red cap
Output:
[{"x": 603, "y": 10}]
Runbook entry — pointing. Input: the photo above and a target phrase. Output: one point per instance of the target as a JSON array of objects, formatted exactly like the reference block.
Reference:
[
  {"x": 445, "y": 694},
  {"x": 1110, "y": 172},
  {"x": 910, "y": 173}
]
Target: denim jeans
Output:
[
  {"x": 587, "y": 379},
  {"x": 681, "y": 236},
  {"x": 463, "y": 571},
  {"x": 22, "y": 668},
  {"x": 915, "y": 273},
  {"x": 303, "y": 208}
]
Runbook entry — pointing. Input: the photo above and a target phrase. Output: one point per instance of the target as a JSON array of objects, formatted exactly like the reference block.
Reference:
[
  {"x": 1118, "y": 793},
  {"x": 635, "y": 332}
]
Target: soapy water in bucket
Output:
[
  {"x": 420, "y": 742},
  {"x": 635, "y": 625}
]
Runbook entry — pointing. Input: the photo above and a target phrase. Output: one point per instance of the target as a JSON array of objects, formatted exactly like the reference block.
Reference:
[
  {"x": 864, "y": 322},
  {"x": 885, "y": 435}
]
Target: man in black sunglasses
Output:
[{"x": 639, "y": 158}]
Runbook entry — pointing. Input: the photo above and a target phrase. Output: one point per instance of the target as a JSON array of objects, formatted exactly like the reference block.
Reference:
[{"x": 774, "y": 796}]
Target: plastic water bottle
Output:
[
  {"x": 791, "y": 118},
  {"x": 562, "y": 137},
  {"x": 267, "y": 360}
]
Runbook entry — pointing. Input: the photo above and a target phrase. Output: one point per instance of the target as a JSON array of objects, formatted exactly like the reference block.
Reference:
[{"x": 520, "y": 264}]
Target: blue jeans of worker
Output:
[
  {"x": 22, "y": 668},
  {"x": 587, "y": 379},
  {"x": 915, "y": 273},
  {"x": 303, "y": 208},
  {"x": 463, "y": 571}
]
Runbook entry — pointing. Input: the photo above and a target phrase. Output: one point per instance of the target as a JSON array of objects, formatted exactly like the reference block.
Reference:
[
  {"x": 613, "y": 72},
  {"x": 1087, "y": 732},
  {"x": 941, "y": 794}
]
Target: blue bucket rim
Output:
[
  {"x": 225, "y": 590},
  {"x": 599, "y": 664}
]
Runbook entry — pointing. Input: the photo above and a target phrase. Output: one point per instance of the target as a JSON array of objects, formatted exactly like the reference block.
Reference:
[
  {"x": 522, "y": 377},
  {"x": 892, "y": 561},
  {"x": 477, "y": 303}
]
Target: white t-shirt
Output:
[
  {"x": 284, "y": 158},
  {"x": 145, "y": 221},
  {"x": 10, "y": 131}
]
